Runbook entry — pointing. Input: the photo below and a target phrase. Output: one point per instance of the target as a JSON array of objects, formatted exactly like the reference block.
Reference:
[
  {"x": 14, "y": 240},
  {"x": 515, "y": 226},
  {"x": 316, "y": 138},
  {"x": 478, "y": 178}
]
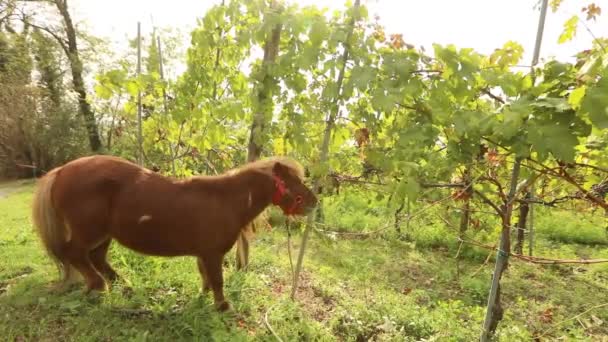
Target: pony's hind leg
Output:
[
  {"x": 204, "y": 276},
  {"x": 69, "y": 277},
  {"x": 79, "y": 257},
  {"x": 99, "y": 260}
]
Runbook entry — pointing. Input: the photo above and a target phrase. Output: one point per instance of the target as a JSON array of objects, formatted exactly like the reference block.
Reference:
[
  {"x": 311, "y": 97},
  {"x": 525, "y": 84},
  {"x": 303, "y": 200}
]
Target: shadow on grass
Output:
[{"x": 35, "y": 312}]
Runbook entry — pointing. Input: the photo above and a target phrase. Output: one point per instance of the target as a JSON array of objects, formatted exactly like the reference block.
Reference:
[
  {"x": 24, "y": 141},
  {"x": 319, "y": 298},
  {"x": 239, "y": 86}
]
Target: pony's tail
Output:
[{"x": 49, "y": 225}]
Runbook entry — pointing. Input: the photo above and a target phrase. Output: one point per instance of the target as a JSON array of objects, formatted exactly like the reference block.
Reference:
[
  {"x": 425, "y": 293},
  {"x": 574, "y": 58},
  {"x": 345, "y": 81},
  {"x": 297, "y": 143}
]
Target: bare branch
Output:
[
  {"x": 592, "y": 167},
  {"x": 486, "y": 200},
  {"x": 494, "y": 97},
  {"x": 62, "y": 42},
  {"x": 443, "y": 185},
  {"x": 566, "y": 176},
  {"x": 549, "y": 203},
  {"x": 540, "y": 260},
  {"x": 501, "y": 191}
]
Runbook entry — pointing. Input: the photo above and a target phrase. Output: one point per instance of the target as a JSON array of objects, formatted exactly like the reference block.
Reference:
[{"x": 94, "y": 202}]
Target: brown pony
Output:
[{"x": 80, "y": 207}]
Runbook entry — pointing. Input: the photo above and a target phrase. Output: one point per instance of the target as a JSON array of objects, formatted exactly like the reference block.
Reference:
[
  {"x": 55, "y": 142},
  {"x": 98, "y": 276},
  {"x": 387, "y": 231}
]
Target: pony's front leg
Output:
[{"x": 213, "y": 267}]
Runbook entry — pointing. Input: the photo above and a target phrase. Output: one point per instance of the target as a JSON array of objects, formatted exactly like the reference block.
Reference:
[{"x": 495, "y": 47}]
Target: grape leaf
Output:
[
  {"x": 595, "y": 103},
  {"x": 569, "y": 30},
  {"x": 576, "y": 96}
]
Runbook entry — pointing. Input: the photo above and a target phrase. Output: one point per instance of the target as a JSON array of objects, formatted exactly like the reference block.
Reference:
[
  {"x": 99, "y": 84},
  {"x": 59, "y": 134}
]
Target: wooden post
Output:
[
  {"x": 140, "y": 158},
  {"x": 524, "y": 210},
  {"x": 409, "y": 217},
  {"x": 162, "y": 73},
  {"x": 324, "y": 153},
  {"x": 531, "y": 223}
]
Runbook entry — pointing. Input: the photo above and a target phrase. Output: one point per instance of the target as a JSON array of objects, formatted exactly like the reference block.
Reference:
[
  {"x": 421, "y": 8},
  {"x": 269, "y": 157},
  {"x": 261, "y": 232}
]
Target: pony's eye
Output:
[{"x": 299, "y": 199}]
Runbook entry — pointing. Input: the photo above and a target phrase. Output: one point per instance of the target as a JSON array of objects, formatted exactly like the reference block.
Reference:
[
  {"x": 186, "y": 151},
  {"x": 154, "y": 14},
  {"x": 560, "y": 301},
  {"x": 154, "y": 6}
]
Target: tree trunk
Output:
[
  {"x": 397, "y": 215},
  {"x": 524, "y": 208},
  {"x": 261, "y": 117},
  {"x": 264, "y": 96},
  {"x": 77, "y": 79},
  {"x": 466, "y": 208},
  {"x": 465, "y": 218}
]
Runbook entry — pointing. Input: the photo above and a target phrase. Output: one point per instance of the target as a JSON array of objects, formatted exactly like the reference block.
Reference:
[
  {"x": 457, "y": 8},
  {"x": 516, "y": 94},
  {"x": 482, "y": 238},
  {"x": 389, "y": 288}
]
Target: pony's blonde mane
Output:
[{"x": 266, "y": 165}]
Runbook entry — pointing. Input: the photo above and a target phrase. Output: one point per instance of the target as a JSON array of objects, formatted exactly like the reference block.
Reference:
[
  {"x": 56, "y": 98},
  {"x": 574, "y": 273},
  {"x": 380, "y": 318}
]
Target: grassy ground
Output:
[{"x": 352, "y": 290}]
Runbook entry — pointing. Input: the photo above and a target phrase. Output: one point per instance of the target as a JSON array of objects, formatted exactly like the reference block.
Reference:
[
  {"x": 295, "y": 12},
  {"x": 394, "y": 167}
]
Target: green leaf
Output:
[
  {"x": 466, "y": 123},
  {"x": 362, "y": 76},
  {"x": 309, "y": 57},
  {"x": 576, "y": 96},
  {"x": 513, "y": 119},
  {"x": 537, "y": 140},
  {"x": 382, "y": 102},
  {"x": 554, "y": 138},
  {"x": 558, "y": 104},
  {"x": 569, "y": 30},
  {"x": 595, "y": 103},
  {"x": 103, "y": 91},
  {"x": 412, "y": 189},
  {"x": 509, "y": 55},
  {"x": 408, "y": 187},
  {"x": 555, "y": 4},
  {"x": 132, "y": 87},
  {"x": 319, "y": 31}
]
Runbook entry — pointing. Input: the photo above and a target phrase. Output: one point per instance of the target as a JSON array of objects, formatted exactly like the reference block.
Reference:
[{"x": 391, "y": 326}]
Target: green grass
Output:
[
  {"x": 381, "y": 289},
  {"x": 559, "y": 226}
]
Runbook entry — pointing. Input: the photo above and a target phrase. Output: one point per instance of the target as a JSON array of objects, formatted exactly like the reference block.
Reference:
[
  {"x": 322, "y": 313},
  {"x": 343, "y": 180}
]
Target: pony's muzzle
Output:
[{"x": 309, "y": 208}]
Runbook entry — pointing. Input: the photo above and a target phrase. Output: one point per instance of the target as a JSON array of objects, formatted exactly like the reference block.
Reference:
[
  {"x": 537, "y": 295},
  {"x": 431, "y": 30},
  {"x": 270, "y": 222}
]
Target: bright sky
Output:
[{"x": 480, "y": 24}]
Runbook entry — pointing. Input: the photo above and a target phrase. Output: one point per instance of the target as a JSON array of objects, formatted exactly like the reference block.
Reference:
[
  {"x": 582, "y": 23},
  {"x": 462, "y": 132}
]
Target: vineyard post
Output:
[
  {"x": 494, "y": 311},
  {"x": 140, "y": 158},
  {"x": 162, "y": 75},
  {"x": 324, "y": 153},
  {"x": 165, "y": 109},
  {"x": 409, "y": 216},
  {"x": 524, "y": 211},
  {"x": 531, "y": 224}
]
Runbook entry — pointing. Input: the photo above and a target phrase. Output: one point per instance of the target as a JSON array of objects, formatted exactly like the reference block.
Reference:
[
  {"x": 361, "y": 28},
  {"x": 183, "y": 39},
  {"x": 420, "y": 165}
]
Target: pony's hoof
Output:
[
  {"x": 96, "y": 287},
  {"x": 112, "y": 276},
  {"x": 63, "y": 287},
  {"x": 127, "y": 291},
  {"x": 223, "y": 306}
]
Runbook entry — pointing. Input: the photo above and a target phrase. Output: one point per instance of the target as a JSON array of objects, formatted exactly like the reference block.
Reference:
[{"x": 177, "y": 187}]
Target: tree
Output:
[
  {"x": 77, "y": 80},
  {"x": 66, "y": 37},
  {"x": 263, "y": 107}
]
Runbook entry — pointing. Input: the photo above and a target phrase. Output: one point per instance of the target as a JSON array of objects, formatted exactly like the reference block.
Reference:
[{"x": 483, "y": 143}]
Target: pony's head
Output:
[{"x": 291, "y": 194}]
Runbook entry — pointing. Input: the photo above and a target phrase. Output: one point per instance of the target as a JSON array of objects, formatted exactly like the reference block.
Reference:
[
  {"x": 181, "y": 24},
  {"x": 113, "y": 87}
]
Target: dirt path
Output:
[
  {"x": 4, "y": 192},
  {"x": 10, "y": 187}
]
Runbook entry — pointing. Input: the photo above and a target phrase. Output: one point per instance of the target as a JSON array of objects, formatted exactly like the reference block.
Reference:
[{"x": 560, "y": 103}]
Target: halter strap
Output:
[{"x": 279, "y": 193}]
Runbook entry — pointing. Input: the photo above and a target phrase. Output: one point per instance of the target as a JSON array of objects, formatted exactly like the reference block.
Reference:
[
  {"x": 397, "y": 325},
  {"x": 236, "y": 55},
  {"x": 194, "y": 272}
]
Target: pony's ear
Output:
[{"x": 279, "y": 169}]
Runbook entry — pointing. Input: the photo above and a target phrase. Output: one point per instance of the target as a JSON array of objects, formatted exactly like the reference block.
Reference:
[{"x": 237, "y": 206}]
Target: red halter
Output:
[{"x": 279, "y": 193}]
